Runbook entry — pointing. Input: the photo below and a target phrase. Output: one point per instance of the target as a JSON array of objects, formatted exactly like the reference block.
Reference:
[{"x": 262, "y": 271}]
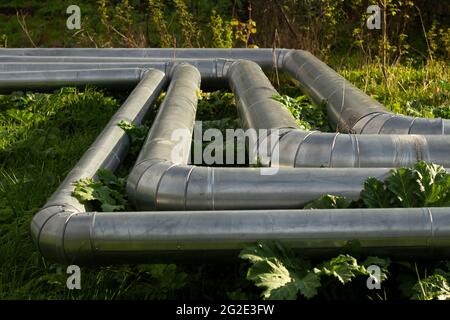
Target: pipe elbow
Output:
[
  {"x": 158, "y": 185},
  {"x": 48, "y": 228}
]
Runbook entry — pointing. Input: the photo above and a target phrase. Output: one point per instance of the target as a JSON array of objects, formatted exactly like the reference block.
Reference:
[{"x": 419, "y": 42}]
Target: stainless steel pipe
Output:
[
  {"x": 191, "y": 235},
  {"x": 350, "y": 109},
  {"x": 104, "y": 77}
]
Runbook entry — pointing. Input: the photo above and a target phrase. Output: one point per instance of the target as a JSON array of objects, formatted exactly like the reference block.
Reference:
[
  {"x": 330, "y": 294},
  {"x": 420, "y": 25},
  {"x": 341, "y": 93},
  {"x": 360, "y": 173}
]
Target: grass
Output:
[
  {"x": 421, "y": 91},
  {"x": 43, "y": 135}
]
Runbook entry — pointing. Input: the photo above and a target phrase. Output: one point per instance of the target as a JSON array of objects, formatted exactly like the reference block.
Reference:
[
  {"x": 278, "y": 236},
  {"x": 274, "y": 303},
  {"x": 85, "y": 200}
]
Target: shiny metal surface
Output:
[
  {"x": 106, "y": 77},
  {"x": 169, "y": 235},
  {"x": 295, "y": 148},
  {"x": 47, "y": 74},
  {"x": 266, "y": 58},
  {"x": 226, "y": 209},
  {"x": 350, "y": 109},
  {"x": 107, "y": 151}
]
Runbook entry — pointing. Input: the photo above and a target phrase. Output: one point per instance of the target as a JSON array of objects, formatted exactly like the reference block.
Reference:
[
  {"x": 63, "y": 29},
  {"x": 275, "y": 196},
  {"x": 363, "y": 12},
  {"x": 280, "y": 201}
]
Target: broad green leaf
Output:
[
  {"x": 279, "y": 271},
  {"x": 272, "y": 275},
  {"x": 374, "y": 194},
  {"x": 107, "y": 207},
  {"x": 434, "y": 184},
  {"x": 270, "y": 249},
  {"x": 343, "y": 267},
  {"x": 309, "y": 284},
  {"x": 403, "y": 184},
  {"x": 106, "y": 194}
]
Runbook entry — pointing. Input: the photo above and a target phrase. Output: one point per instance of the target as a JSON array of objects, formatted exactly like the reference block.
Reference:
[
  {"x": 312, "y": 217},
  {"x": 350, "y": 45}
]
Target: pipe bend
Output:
[
  {"x": 158, "y": 184},
  {"x": 48, "y": 228}
]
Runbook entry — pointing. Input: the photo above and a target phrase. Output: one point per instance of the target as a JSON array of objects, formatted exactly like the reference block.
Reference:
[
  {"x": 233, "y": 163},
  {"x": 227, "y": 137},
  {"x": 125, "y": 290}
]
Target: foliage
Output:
[
  {"x": 222, "y": 31},
  {"x": 105, "y": 193},
  {"x": 188, "y": 26},
  {"x": 420, "y": 91},
  {"x": 425, "y": 185},
  {"x": 243, "y": 31},
  {"x": 156, "y": 12},
  {"x": 327, "y": 202},
  {"x": 284, "y": 275},
  {"x": 308, "y": 116},
  {"x": 439, "y": 41},
  {"x": 137, "y": 135},
  {"x": 435, "y": 286}
]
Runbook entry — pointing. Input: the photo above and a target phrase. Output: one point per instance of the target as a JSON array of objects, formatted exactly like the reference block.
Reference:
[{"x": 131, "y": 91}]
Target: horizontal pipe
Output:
[
  {"x": 266, "y": 58},
  {"x": 173, "y": 235},
  {"x": 160, "y": 185},
  {"x": 298, "y": 148},
  {"x": 38, "y": 80},
  {"x": 350, "y": 109},
  {"x": 213, "y": 71},
  {"x": 107, "y": 151}
]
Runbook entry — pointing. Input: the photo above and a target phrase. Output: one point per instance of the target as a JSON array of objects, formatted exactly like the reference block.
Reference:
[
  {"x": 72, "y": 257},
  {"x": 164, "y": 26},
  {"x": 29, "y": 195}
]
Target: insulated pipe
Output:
[
  {"x": 126, "y": 77},
  {"x": 254, "y": 98},
  {"x": 213, "y": 71},
  {"x": 195, "y": 235},
  {"x": 295, "y": 148},
  {"x": 350, "y": 109},
  {"x": 49, "y": 225},
  {"x": 266, "y": 58}
]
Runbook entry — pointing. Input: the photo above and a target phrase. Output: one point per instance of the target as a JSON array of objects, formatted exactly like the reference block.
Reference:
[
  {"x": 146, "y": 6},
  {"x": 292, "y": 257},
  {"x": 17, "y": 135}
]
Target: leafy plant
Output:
[
  {"x": 308, "y": 116},
  {"x": 106, "y": 193},
  {"x": 136, "y": 133},
  {"x": 283, "y": 275},
  {"x": 189, "y": 29},
  {"x": 243, "y": 31},
  {"x": 156, "y": 12},
  {"x": 424, "y": 185},
  {"x": 222, "y": 31}
]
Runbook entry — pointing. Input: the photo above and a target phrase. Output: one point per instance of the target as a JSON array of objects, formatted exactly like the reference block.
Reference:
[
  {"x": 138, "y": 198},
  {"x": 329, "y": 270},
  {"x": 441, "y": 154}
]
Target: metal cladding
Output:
[
  {"x": 49, "y": 225},
  {"x": 350, "y": 109},
  {"x": 295, "y": 148},
  {"x": 221, "y": 210}
]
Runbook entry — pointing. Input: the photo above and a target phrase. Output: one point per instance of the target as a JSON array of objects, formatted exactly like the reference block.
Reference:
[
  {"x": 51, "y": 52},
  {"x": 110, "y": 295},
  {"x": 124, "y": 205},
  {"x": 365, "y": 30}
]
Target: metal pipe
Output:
[
  {"x": 114, "y": 77},
  {"x": 266, "y": 58},
  {"x": 162, "y": 180},
  {"x": 290, "y": 147},
  {"x": 108, "y": 150},
  {"x": 174, "y": 235},
  {"x": 213, "y": 71},
  {"x": 350, "y": 109}
]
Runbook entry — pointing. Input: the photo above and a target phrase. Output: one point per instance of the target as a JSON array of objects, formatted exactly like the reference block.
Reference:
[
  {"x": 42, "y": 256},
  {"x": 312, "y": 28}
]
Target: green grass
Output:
[
  {"x": 422, "y": 91},
  {"x": 43, "y": 135}
]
